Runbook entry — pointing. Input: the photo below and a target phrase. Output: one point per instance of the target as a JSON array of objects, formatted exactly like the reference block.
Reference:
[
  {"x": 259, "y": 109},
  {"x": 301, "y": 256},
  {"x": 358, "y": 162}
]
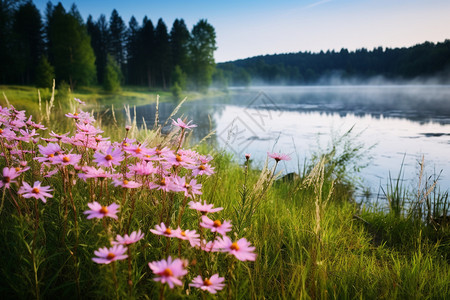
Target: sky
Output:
[{"x": 249, "y": 28}]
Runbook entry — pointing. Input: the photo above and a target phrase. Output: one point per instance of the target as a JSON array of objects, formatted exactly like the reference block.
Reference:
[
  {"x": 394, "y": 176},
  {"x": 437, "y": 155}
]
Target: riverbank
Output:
[{"x": 27, "y": 97}]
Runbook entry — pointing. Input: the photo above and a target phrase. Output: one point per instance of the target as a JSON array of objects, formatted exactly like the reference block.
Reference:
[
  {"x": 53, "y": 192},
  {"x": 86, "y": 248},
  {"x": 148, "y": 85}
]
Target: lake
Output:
[{"x": 397, "y": 123}]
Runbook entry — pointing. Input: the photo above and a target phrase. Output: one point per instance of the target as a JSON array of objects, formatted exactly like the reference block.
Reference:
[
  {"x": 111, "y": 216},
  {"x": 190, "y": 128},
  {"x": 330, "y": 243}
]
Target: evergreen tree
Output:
[
  {"x": 45, "y": 73},
  {"x": 146, "y": 52},
  {"x": 28, "y": 44},
  {"x": 162, "y": 55},
  {"x": 133, "y": 45},
  {"x": 117, "y": 31},
  {"x": 201, "y": 47},
  {"x": 179, "y": 42},
  {"x": 71, "y": 51},
  {"x": 113, "y": 75},
  {"x": 100, "y": 41}
]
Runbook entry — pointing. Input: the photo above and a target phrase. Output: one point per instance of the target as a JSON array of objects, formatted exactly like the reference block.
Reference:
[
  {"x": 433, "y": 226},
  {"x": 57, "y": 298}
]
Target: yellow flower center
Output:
[
  {"x": 234, "y": 246},
  {"x": 110, "y": 256},
  {"x": 66, "y": 159},
  {"x": 1, "y": 131},
  {"x": 125, "y": 182},
  {"x": 167, "y": 272},
  {"x": 162, "y": 182},
  {"x": 75, "y": 114},
  {"x": 17, "y": 169},
  {"x": 178, "y": 158},
  {"x": 217, "y": 223},
  {"x": 108, "y": 157},
  {"x": 202, "y": 167},
  {"x": 138, "y": 150},
  {"x": 103, "y": 210},
  {"x": 183, "y": 233},
  {"x": 51, "y": 155},
  {"x": 35, "y": 190},
  {"x": 158, "y": 152},
  {"x": 168, "y": 231},
  {"x": 125, "y": 144},
  {"x": 207, "y": 282}
]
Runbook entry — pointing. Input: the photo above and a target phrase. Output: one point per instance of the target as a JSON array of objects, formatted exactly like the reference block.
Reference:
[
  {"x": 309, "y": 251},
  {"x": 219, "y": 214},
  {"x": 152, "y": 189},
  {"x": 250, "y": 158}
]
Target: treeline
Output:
[
  {"x": 103, "y": 51},
  {"x": 422, "y": 60}
]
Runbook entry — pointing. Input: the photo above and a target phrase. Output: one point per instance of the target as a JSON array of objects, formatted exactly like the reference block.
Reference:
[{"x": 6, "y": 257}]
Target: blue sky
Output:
[{"x": 250, "y": 28}]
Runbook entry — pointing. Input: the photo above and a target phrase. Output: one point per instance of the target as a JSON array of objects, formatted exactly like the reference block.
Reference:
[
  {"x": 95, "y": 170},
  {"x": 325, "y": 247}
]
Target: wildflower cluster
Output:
[{"x": 167, "y": 174}]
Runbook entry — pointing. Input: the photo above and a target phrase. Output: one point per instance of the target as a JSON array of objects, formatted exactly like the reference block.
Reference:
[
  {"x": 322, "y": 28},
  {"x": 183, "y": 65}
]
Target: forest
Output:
[
  {"x": 420, "y": 61},
  {"x": 61, "y": 45}
]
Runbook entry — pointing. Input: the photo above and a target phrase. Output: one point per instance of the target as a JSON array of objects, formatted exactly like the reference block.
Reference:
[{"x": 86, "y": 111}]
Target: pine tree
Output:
[
  {"x": 28, "y": 44},
  {"x": 202, "y": 46},
  {"x": 70, "y": 47},
  {"x": 146, "y": 51},
  {"x": 162, "y": 54},
  {"x": 117, "y": 31},
  {"x": 133, "y": 45},
  {"x": 179, "y": 42}
]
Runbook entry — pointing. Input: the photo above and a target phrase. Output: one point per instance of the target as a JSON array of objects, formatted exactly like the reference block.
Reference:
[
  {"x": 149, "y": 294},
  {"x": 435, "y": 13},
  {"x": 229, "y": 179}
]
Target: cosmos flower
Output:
[
  {"x": 37, "y": 191},
  {"x": 163, "y": 230},
  {"x": 203, "y": 208},
  {"x": 241, "y": 249},
  {"x": 128, "y": 239},
  {"x": 183, "y": 125},
  {"x": 109, "y": 158},
  {"x": 67, "y": 159},
  {"x": 212, "y": 285},
  {"x": 190, "y": 189},
  {"x": 216, "y": 226},
  {"x": 279, "y": 156},
  {"x": 168, "y": 271},
  {"x": 106, "y": 256},
  {"x": 99, "y": 211},
  {"x": 125, "y": 183},
  {"x": 9, "y": 174},
  {"x": 189, "y": 235}
]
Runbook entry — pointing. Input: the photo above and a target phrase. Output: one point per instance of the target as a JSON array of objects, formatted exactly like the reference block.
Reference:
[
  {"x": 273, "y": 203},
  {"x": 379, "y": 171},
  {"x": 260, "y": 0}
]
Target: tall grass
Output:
[{"x": 312, "y": 241}]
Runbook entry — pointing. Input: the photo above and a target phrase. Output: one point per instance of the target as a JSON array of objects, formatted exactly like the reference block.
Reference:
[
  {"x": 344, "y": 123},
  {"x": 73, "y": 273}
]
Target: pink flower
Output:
[
  {"x": 37, "y": 191},
  {"x": 247, "y": 156},
  {"x": 163, "y": 230},
  {"x": 241, "y": 249},
  {"x": 48, "y": 152},
  {"x": 279, "y": 156},
  {"x": 128, "y": 239},
  {"x": 99, "y": 211},
  {"x": 166, "y": 184},
  {"x": 9, "y": 174},
  {"x": 203, "y": 169},
  {"x": 212, "y": 285},
  {"x": 67, "y": 159},
  {"x": 105, "y": 255},
  {"x": 216, "y": 226},
  {"x": 91, "y": 172},
  {"x": 189, "y": 235},
  {"x": 125, "y": 183},
  {"x": 204, "y": 208},
  {"x": 109, "y": 158},
  {"x": 168, "y": 271},
  {"x": 183, "y": 125},
  {"x": 79, "y": 101},
  {"x": 190, "y": 189}
]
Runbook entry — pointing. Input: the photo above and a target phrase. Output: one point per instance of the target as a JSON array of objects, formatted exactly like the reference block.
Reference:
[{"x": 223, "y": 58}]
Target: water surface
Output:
[{"x": 402, "y": 123}]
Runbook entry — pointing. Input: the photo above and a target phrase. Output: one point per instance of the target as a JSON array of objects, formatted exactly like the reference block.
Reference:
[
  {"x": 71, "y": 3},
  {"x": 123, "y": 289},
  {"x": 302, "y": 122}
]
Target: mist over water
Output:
[{"x": 402, "y": 122}]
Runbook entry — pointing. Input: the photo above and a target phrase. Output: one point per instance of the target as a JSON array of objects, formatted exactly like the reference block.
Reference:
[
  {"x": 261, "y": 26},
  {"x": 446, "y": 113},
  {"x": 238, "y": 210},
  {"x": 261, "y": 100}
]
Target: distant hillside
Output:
[{"x": 420, "y": 61}]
